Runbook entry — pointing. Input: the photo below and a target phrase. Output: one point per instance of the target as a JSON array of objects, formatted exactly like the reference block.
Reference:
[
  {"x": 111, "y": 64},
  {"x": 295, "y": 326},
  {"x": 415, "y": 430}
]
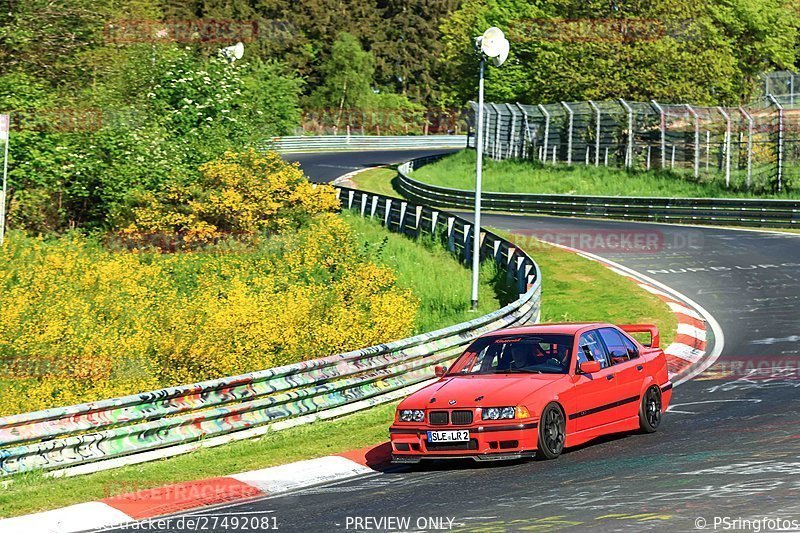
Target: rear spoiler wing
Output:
[{"x": 652, "y": 329}]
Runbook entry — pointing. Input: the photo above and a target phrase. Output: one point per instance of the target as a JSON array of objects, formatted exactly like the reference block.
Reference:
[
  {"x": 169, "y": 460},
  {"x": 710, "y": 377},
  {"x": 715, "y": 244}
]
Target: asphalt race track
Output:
[
  {"x": 729, "y": 448},
  {"x": 325, "y": 167}
]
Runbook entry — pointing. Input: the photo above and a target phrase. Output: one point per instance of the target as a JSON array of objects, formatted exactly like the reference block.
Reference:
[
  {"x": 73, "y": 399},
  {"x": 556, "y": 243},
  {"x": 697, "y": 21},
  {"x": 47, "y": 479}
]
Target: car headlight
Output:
[
  {"x": 499, "y": 413},
  {"x": 412, "y": 415}
]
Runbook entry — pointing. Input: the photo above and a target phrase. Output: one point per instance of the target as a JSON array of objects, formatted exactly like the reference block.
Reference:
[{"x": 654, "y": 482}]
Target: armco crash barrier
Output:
[
  {"x": 333, "y": 143},
  {"x": 709, "y": 211},
  {"x": 79, "y": 434}
]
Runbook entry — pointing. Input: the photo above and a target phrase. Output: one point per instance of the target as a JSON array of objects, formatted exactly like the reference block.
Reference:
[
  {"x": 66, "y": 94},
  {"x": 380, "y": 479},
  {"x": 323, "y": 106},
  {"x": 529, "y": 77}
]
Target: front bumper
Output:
[{"x": 496, "y": 442}]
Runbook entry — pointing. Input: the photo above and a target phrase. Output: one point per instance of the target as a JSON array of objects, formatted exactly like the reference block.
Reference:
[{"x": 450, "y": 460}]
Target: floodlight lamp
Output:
[{"x": 232, "y": 53}]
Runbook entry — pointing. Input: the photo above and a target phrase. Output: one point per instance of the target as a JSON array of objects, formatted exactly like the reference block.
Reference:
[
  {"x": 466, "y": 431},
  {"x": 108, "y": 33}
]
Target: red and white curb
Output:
[
  {"x": 688, "y": 355},
  {"x": 170, "y": 499}
]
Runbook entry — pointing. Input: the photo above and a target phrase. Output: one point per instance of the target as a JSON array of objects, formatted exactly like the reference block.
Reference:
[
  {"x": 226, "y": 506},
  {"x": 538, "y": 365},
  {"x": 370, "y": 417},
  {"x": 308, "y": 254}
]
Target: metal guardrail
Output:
[
  {"x": 65, "y": 437},
  {"x": 710, "y": 211},
  {"x": 363, "y": 142}
]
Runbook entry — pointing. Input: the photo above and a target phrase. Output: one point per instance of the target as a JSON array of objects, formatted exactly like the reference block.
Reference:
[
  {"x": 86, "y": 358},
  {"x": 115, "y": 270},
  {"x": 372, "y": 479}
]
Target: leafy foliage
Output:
[
  {"x": 348, "y": 76},
  {"x": 241, "y": 194},
  {"x": 82, "y": 161},
  {"x": 680, "y": 50},
  {"x": 85, "y": 323},
  {"x": 98, "y": 122}
]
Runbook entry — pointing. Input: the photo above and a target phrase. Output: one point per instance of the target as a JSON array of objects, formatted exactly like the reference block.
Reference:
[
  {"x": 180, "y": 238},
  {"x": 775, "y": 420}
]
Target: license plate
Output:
[{"x": 448, "y": 436}]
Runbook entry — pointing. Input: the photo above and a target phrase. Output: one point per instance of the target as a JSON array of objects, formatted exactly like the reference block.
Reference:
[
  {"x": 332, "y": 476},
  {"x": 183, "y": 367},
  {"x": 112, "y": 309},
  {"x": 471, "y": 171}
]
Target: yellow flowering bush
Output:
[
  {"x": 79, "y": 322},
  {"x": 241, "y": 194}
]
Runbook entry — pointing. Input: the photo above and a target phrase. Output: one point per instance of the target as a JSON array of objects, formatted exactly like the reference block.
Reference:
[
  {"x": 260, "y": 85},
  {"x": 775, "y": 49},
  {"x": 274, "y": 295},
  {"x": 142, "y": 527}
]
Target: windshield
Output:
[{"x": 507, "y": 354}]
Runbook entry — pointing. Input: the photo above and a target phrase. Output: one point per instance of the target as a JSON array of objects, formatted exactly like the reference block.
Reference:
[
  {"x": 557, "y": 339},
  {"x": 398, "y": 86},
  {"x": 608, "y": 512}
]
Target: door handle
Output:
[
  {"x": 639, "y": 368},
  {"x": 610, "y": 377}
]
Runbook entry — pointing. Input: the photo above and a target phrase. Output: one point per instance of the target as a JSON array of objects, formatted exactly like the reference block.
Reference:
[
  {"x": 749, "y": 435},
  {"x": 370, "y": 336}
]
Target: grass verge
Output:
[
  {"x": 444, "y": 297},
  {"x": 377, "y": 181},
  {"x": 458, "y": 171}
]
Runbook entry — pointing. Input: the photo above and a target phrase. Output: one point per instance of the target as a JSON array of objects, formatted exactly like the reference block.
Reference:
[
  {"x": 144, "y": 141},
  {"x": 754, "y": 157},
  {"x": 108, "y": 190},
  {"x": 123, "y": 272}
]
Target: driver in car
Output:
[{"x": 521, "y": 355}]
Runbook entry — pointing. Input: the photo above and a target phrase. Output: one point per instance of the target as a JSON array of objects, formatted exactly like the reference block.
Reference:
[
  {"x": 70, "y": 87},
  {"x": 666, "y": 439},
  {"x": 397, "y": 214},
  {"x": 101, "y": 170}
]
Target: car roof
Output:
[{"x": 562, "y": 328}]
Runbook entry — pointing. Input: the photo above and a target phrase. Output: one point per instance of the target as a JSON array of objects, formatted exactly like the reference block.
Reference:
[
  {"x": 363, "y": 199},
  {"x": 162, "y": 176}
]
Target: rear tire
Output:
[
  {"x": 650, "y": 410},
  {"x": 552, "y": 432}
]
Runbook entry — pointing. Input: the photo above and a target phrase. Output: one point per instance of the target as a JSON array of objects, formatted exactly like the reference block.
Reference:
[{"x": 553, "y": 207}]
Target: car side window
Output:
[
  {"x": 630, "y": 346},
  {"x": 617, "y": 351},
  {"x": 590, "y": 348}
]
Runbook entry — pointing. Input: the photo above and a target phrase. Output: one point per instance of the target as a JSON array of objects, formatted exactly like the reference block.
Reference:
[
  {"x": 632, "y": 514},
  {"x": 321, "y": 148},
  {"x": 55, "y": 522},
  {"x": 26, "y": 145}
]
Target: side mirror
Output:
[
  {"x": 590, "y": 367},
  {"x": 440, "y": 371}
]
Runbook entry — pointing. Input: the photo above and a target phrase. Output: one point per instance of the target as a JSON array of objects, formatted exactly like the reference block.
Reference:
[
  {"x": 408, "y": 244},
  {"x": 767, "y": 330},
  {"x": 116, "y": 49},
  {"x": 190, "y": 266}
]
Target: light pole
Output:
[
  {"x": 492, "y": 45},
  {"x": 5, "y": 129}
]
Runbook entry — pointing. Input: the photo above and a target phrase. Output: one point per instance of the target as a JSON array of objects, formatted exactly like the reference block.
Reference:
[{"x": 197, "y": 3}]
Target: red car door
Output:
[
  {"x": 595, "y": 394},
  {"x": 629, "y": 370}
]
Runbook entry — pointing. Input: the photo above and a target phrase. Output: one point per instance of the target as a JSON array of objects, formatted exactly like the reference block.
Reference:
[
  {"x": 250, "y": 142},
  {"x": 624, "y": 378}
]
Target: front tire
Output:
[
  {"x": 650, "y": 411},
  {"x": 552, "y": 432}
]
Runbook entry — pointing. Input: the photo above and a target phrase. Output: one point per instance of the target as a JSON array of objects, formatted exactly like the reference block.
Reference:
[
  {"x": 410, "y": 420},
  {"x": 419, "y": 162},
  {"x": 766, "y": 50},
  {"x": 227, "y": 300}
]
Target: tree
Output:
[
  {"x": 765, "y": 33},
  {"x": 347, "y": 77},
  {"x": 407, "y": 55},
  {"x": 704, "y": 52}
]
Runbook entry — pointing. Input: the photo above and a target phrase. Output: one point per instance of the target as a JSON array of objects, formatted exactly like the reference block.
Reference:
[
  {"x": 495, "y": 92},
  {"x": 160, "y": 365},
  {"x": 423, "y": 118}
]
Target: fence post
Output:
[
  {"x": 696, "y": 140},
  {"x": 486, "y": 129},
  {"x": 468, "y": 236},
  {"x": 521, "y": 281},
  {"x": 451, "y": 237},
  {"x": 546, "y": 132},
  {"x": 727, "y": 146},
  {"x": 597, "y": 134},
  {"x": 663, "y": 129},
  {"x": 498, "y": 148},
  {"x": 780, "y": 139},
  {"x": 569, "y": 132},
  {"x": 387, "y": 212},
  {"x": 512, "y": 145},
  {"x": 402, "y": 225},
  {"x": 629, "y": 156},
  {"x": 525, "y": 134},
  {"x": 749, "y": 145}
]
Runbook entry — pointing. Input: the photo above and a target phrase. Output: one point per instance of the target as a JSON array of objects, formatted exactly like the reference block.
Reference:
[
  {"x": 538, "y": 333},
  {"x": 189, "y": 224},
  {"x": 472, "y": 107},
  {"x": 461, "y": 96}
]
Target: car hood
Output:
[{"x": 480, "y": 391}]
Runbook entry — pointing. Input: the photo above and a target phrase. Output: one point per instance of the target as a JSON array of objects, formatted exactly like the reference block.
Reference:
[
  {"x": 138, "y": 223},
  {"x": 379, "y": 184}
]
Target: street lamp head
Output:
[
  {"x": 232, "y": 53},
  {"x": 494, "y": 45}
]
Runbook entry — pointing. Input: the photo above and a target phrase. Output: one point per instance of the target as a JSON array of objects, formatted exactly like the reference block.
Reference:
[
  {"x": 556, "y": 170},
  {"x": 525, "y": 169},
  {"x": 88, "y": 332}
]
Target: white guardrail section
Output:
[
  {"x": 333, "y": 143},
  {"x": 155, "y": 424}
]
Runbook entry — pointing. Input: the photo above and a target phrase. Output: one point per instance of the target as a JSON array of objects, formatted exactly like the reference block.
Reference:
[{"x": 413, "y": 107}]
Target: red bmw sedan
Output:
[{"x": 535, "y": 390}]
